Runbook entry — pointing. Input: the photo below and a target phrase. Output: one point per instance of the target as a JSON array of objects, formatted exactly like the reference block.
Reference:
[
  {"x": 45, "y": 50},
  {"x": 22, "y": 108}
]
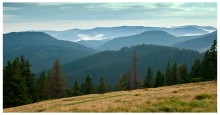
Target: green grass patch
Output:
[
  {"x": 41, "y": 110},
  {"x": 203, "y": 96},
  {"x": 175, "y": 104}
]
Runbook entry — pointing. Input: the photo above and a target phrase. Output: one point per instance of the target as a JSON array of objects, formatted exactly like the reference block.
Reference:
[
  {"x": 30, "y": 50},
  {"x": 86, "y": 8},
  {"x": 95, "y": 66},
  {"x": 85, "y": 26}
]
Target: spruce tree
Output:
[
  {"x": 159, "y": 80},
  {"x": 167, "y": 76},
  {"x": 209, "y": 63},
  {"x": 213, "y": 51},
  {"x": 183, "y": 76},
  {"x": 149, "y": 80},
  {"x": 42, "y": 86},
  {"x": 29, "y": 79},
  {"x": 123, "y": 83},
  {"x": 102, "y": 88},
  {"x": 76, "y": 89},
  {"x": 207, "y": 68},
  {"x": 88, "y": 87},
  {"x": 56, "y": 81},
  {"x": 15, "y": 92},
  {"x": 196, "y": 71},
  {"x": 173, "y": 73}
]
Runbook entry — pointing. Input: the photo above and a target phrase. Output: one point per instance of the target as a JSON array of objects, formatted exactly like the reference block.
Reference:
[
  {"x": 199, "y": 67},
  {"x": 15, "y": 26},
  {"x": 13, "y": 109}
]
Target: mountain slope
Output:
[
  {"x": 201, "y": 43},
  {"x": 92, "y": 43},
  {"x": 177, "y": 98},
  {"x": 41, "y": 49},
  {"x": 111, "y": 64},
  {"x": 147, "y": 37}
]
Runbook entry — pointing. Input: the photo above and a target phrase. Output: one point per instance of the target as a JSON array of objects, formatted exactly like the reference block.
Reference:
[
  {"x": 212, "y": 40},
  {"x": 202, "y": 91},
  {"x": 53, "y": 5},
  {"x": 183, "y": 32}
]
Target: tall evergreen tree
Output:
[
  {"x": 207, "y": 67},
  {"x": 173, "y": 74},
  {"x": 88, "y": 87},
  {"x": 159, "y": 80},
  {"x": 15, "y": 92},
  {"x": 76, "y": 89},
  {"x": 29, "y": 79},
  {"x": 209, "y": 63},
  {"x": 213, "y": 51},
  {"x": 56, "y": 81},
  {"x": 102, "y": 88},
  {"x": 149, "y": 79},
  {"x": 123, "y": 83},
  {"x": 42, "y": 86},
  {"x": 196, "y": 71},
  {"x": 183, "y": 76},
  {"x": 168, "y": 78}
]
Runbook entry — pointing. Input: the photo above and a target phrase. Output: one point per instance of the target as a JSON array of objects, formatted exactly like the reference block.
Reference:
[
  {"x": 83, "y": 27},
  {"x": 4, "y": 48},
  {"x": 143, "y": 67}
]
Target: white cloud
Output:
[
  {"x": 191, "y": 34},
  {"x": 209, "y": 31},
  {"x": 87, "y": 37}
]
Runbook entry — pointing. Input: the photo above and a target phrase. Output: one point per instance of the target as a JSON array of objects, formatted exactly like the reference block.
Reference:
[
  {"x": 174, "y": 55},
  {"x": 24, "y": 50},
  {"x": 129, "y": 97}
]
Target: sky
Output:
[{"x": 63, "y": 16}]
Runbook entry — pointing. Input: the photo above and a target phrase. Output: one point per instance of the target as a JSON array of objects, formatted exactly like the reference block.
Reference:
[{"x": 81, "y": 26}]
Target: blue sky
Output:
[{"x": 63, "y": 16}]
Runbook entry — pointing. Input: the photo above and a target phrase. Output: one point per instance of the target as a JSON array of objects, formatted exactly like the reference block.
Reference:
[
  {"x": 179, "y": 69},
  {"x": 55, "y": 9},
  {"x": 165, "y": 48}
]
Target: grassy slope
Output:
[{"x": 193, "y": 97}]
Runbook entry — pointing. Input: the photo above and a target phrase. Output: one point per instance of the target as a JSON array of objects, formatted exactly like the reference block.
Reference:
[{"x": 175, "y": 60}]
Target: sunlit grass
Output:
[{"x": 193, "y": 97}]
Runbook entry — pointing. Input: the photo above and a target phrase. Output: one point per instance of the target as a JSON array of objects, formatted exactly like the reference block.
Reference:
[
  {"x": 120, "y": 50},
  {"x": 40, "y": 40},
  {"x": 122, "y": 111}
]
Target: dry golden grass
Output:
[{"x": 192, "y": 97}]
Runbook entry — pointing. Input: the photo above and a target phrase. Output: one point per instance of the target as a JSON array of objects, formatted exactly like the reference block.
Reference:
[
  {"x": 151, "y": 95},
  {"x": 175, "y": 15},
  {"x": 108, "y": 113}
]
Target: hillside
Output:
[
  {"x": 92, "y": 43},
  {"x": 192, "y": 97},
  {"x": 112, "y": 64},
  {"x": 201, "y": 43},
  {"x": 147, "y": 37},
  {"x": 41, "y": 49}
]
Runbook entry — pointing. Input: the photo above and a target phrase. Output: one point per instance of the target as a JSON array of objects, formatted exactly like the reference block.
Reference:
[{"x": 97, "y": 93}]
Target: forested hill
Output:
[
  {"x": 112, "y": 64},
  {"x": 201, "y": 43},
  {"x": 41, "y": 49},
  {"x": 148, "y": 37}
]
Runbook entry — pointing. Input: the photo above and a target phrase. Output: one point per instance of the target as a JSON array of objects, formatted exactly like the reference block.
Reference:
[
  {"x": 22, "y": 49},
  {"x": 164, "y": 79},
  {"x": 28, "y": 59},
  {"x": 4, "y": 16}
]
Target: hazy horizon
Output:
[{"x": 64, "y": 16}]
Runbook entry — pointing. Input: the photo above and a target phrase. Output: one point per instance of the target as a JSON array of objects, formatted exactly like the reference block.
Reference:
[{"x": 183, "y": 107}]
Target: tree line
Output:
[
  {"x": 202, "y": 70},
  {"x": 20, "y": 86}
]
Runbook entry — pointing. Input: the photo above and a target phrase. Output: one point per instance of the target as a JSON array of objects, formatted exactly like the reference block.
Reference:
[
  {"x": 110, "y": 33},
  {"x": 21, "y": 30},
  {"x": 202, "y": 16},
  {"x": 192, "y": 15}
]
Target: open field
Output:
[{"x": 192, "y": 97}]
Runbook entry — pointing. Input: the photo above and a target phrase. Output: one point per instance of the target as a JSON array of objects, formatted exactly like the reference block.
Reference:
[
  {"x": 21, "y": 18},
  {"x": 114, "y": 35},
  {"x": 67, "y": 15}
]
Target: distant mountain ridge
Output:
[
  {"x": 113, "y": 32},
  {"x": 147, "y": 37},
  {"x": 199, "y": 43},
  {"x": 41, "y": 49},
  {"x": 101, "y": 35}
]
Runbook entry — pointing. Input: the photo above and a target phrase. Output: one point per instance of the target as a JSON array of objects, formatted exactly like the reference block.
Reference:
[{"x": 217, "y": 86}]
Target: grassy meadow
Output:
[{"x": 192, "y": 97}]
